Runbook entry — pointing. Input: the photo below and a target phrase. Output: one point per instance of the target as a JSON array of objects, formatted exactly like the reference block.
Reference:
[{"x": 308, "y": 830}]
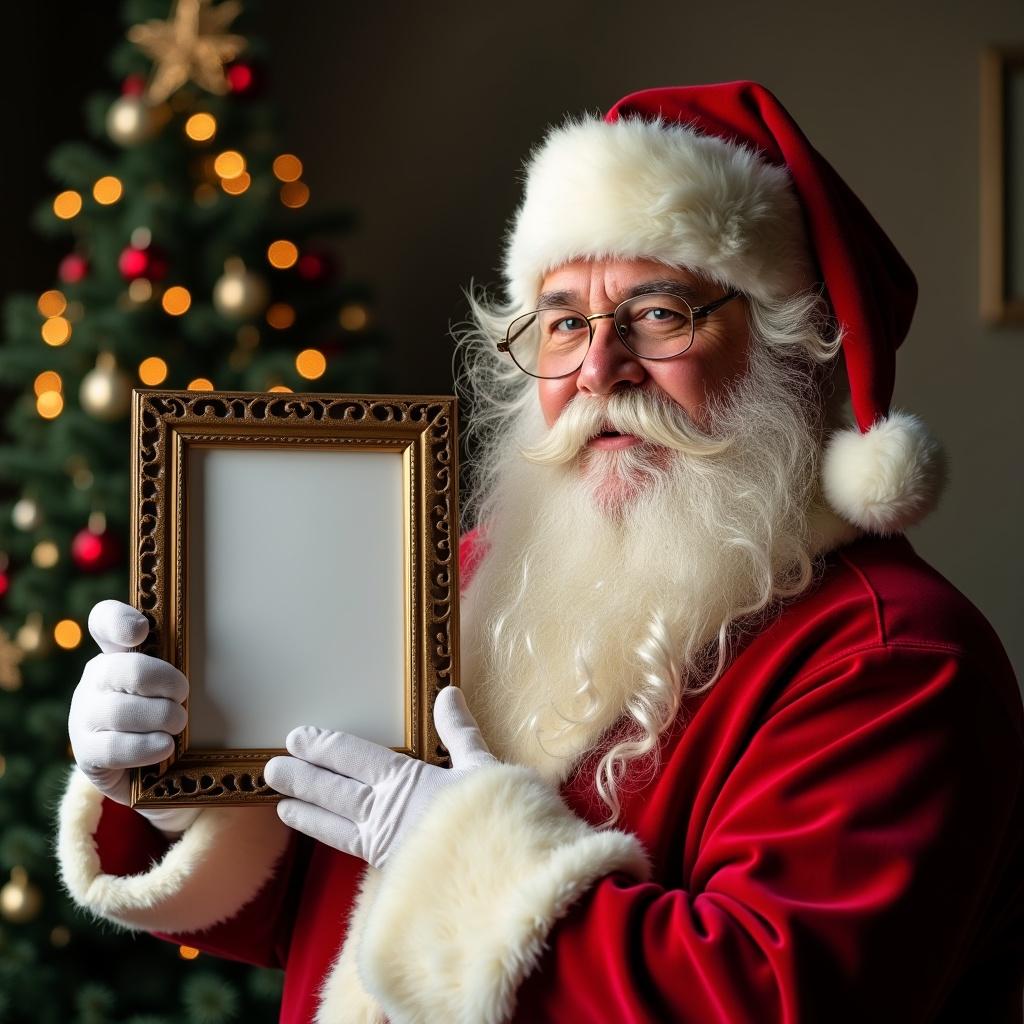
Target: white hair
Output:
[{"x": 780, "y": 407}]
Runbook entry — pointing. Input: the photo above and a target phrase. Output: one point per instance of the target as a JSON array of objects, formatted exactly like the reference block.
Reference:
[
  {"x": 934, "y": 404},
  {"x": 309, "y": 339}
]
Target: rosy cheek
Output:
[{"x": 553, "y": 395}]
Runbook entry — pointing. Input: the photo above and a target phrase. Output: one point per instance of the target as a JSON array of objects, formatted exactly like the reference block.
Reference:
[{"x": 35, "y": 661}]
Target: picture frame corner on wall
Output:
[
  {"x": 296, "y": 555},
  {"x": 1001, "y": 191}
]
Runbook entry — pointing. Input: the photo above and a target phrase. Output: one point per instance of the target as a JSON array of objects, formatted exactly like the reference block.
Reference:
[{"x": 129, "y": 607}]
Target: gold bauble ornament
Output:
[
  {"x": 106, "y": 392},
  {"x": 131, "y": 120},
  {"x": 20, "y": 900},
  {"x": 239, "y": 292},
  {"x": 26, "y": 514}
]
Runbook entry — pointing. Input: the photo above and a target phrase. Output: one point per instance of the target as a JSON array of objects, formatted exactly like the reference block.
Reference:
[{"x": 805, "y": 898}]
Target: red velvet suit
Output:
[{"x": 834, "y": 835}]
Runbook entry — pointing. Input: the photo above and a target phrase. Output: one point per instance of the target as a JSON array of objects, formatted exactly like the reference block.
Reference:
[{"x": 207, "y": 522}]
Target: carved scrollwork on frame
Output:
[{"x": 419, "y": 430}]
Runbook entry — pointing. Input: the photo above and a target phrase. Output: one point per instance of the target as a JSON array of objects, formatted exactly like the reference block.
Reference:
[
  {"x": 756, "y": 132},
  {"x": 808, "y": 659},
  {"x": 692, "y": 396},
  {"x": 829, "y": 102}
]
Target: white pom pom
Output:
[{"x": 886, "y": 479}]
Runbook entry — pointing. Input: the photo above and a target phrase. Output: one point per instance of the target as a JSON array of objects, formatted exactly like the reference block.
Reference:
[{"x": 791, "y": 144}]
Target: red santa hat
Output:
[{"x": 721, "y": 179}]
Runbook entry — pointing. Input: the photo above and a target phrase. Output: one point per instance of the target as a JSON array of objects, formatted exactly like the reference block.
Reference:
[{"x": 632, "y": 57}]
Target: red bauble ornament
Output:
[
  {"x": 149, "y": 263},
  {"x": 314, "y": 266},
  {"x": 241, "y": 78},
  {"x": 94, "y": 552},
  {"x": 133, "y": 85},
  {"x": 73, "y": 268}
]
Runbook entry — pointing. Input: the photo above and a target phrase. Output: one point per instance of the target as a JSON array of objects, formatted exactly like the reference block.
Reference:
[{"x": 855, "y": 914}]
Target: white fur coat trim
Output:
[
  {"x": 218, "y": 865},
  {"x": 661, "y": 191},
  {"x": 886, "y": 479},
  {"x": 343, "y": 1000},
  {"x": 459, "y": 918}
]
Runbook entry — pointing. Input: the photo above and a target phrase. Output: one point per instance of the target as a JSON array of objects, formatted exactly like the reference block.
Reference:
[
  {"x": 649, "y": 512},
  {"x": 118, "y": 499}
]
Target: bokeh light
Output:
[
  {"x": 201, "y": 127},
  {"x": 236, "y": 186},
  {"x": 188, "y": 952},
  {"x": 310, "y": 363},
  {"x": 107, "y": 190},
  {"x": 294, "y": 194},
  {"x": 287, "y": 167},
  {"x": 282, "y": 254},
  {"x": 68, "y": 634},
  {"x": 56, "y": 331},
  {"x": 48, "y": 380},
  {"x": 229, "y": 164},
  {"x": 152, "y": 371},
  {"x": 140, "y": 290},
  {"x": 45, "y": 555},
  {"x": 200, "y": 384},
  {"x": 353, "y": 317},
  {"x": 281, "y": 387},
  {"x": 49, "y": 405},
  {"x": 67, "y": 204},
  {"x": 176, "y": 300},
  {"x": 52, "y": 303},
  {"x": 281, "y": 316}
]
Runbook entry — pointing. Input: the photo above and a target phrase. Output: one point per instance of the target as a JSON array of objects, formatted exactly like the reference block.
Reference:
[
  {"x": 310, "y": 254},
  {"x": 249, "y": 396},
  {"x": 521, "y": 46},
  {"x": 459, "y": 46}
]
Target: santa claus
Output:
[{"x": 727, "y": 748}]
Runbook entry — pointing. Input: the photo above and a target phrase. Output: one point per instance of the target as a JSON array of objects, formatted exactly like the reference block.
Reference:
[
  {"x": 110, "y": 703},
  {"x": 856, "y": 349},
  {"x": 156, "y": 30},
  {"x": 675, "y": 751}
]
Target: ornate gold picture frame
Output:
[{"x": 296, "y": 556}]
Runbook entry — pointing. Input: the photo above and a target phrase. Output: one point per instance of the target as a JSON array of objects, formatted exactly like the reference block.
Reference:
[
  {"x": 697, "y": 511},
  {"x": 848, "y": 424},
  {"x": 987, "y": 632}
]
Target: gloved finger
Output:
[
  {"x": 329, "y": 829},
  {"x": 117, "y": 626},
  {"x": 458, "y": 731},
  {"x": 132, "y": 672},
  {"x": 344, "y": 753},
  {"x": 126, "y": 712},
  {"x": 120, "y": 750},
  {"x": 338, "y": 794}
]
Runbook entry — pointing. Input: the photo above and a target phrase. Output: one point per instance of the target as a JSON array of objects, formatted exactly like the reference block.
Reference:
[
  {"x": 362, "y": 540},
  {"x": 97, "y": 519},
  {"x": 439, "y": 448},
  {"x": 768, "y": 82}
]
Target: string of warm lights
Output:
[{"x": 229, "y": 168}]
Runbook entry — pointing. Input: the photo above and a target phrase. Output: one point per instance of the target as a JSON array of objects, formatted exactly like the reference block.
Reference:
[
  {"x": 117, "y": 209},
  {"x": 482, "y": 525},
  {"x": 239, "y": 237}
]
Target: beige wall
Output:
[{"x": 418, "y": 116}]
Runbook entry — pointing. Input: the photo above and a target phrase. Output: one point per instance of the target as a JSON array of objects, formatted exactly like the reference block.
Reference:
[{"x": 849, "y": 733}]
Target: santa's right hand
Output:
[{"x": 126, "y": 709}]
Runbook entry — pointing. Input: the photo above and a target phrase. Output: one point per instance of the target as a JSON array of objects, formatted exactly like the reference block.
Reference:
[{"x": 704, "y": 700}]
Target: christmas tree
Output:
[{"x": 191, "y": 261}]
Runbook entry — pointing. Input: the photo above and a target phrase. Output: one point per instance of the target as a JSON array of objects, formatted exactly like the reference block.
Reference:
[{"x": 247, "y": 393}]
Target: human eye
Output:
[
  {"x": 660, "y": 312},
  {"x": 562, "y": 328},
  {"x": 568, "y": 324}
]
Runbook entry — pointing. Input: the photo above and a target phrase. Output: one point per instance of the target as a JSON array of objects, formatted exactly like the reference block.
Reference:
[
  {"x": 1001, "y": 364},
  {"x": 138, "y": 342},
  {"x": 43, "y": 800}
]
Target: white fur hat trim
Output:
[
  {"x": 886, "y": 479},
  {"x": 656, "y": 190}
]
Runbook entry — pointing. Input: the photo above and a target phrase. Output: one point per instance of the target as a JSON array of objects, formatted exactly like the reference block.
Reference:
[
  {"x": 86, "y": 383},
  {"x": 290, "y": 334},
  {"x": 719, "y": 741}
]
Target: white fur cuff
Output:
[
  {"x": 463, "y": 910},
  {"x": 218, "y": 865},
  {"x": 886, "y": 479}
]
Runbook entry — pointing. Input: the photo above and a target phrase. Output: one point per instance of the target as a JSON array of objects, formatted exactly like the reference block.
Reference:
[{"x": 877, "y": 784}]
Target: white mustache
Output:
[{"x": 660, "y": 422}]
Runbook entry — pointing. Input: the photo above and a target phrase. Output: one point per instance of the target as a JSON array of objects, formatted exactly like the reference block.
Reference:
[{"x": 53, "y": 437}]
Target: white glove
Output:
[
  {"x": 362, "y": 798},
  {"x": 126, "y": 711}
]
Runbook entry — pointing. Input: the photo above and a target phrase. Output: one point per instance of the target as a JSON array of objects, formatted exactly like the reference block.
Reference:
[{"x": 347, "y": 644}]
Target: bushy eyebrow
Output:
[{"x": 673, "y": 287}]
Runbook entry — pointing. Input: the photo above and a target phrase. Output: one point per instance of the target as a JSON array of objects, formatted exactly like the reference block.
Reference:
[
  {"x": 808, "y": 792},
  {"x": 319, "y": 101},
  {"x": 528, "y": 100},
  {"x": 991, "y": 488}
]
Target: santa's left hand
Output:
[{"x": 362, "y": 798}]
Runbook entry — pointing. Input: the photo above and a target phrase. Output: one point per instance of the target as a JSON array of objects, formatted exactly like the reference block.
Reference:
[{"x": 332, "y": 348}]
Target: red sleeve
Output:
[
  {"x": 259, "y": 933},
  {"x": 849, "y": 863},
  {"x": 127, "y": 843}
]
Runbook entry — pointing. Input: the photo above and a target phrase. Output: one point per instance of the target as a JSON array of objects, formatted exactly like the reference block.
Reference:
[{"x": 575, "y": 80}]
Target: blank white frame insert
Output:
[{"x": 295, "y": 594}]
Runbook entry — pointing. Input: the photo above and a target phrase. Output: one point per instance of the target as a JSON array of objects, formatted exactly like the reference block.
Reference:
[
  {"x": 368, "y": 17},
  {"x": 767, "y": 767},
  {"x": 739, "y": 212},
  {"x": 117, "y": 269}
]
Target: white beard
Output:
[{"x": 611, "y": 574}]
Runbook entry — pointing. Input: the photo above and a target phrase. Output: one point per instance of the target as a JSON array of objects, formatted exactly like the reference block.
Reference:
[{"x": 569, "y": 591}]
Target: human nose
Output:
[{"x": 608, "y": 364}]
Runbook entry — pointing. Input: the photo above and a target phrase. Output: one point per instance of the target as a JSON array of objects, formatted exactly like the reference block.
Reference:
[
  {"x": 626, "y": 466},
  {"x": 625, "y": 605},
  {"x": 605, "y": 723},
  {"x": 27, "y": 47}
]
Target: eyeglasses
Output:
[{"x": 553, "y": 342}]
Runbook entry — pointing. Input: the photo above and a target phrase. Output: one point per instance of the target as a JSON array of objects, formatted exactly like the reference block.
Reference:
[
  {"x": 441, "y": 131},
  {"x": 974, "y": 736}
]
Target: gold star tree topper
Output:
[{"x": 191, "y": 46}]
